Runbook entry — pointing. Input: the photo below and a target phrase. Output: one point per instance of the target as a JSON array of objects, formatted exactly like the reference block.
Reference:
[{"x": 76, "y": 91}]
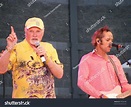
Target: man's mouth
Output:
[
  {"x": 110, "y": 45},
  {"x": 34, "y": 40}
]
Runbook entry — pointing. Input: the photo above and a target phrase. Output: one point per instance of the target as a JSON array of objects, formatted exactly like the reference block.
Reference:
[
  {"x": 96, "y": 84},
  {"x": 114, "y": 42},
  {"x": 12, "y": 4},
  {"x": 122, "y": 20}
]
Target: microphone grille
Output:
[{"x": 37, "y": 43}]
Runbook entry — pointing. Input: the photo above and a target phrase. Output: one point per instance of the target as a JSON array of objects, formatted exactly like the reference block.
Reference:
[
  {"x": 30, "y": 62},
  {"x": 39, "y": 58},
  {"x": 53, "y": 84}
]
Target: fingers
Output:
[
  {"x": 12, "y": 36},
  {"x": 41, "y": 51},
  {"x": 12, "y": 30},
  {"x": 11, "y": 40}
]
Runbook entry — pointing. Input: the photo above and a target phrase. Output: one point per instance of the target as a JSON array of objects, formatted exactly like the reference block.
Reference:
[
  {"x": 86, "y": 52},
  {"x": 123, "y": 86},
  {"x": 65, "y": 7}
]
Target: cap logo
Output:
[{"x": 37, "y": 23}]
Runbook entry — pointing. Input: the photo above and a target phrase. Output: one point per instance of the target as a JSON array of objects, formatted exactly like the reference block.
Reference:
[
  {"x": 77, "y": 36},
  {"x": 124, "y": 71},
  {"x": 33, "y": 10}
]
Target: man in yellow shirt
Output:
[{"x": 34, "y": 64}]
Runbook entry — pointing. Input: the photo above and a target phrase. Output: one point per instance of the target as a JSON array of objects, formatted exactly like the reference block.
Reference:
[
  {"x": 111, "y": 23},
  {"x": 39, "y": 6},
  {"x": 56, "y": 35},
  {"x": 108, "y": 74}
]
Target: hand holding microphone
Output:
[{"x": 40, "y": 51}]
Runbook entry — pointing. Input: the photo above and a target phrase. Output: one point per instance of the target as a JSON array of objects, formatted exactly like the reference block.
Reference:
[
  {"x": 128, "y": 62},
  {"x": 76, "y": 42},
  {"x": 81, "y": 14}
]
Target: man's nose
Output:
[{"x": 34, "y": 34}]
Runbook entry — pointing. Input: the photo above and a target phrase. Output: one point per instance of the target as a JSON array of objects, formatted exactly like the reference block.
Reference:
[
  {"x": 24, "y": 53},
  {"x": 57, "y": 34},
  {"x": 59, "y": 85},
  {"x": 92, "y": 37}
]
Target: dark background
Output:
[{"x": 66, "y": 24}]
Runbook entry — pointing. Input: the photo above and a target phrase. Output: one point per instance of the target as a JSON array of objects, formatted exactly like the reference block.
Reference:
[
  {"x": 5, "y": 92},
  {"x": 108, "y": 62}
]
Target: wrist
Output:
[
  {"x": 47, "y": 59},
  {"x": 47, "y": 62},
  {"x": 9, "y": 49}
]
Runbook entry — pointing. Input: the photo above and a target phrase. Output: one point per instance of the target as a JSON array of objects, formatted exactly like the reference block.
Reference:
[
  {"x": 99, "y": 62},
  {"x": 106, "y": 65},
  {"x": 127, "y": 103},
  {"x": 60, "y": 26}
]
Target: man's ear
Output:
[{"x": 98, "y": 40}]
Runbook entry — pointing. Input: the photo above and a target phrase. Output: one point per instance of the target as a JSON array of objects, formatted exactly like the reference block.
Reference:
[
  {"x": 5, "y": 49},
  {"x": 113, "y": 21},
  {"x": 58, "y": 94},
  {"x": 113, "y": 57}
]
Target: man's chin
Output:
[{"x": 108, "y": 50}]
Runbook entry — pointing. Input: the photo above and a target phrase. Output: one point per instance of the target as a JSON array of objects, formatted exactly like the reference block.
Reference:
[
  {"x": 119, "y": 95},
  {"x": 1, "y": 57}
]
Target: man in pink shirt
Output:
[{"x": 101, "y": 75}]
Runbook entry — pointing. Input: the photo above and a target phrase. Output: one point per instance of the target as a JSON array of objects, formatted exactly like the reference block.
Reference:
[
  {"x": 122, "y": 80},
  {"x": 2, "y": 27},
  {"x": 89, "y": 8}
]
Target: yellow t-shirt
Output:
[{"x": 31, "y": 79}]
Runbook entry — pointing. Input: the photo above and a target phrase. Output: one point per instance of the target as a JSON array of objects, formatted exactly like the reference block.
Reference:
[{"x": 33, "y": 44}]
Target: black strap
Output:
[{"x": 116, "y": 71}]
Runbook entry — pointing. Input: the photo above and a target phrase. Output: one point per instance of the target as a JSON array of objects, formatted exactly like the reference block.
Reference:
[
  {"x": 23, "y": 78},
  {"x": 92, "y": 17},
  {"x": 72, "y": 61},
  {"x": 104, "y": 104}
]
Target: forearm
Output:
[
  {"x": 55, "y": 69},
  {"x": 126, "y": 87},
  {"x": 4, "y": 60},
  {"x": 84, "y": 85}
]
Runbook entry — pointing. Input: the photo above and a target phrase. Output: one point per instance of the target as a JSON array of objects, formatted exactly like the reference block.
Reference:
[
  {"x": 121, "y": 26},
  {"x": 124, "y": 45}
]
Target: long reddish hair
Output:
[{"x": 99, "y": 34}]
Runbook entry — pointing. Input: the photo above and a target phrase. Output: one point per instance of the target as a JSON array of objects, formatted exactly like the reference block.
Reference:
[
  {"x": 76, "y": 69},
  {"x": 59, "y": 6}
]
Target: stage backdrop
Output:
[{"x": 69, "y": 26}]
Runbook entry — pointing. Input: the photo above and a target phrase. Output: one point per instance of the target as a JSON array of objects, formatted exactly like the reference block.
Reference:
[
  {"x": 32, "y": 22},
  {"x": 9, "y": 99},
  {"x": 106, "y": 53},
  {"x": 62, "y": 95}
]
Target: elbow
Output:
[
  {"x": 80, "y": 83},
  {"x": 60, "y": 74},
  {"x": 2, "y": 72},
  {"x": 59, "y": 77}
]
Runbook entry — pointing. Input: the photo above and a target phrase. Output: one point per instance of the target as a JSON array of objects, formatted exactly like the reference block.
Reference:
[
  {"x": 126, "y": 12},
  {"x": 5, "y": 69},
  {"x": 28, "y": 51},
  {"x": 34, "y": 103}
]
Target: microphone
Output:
[
  {"x": 117, "y": 45},
  {"x": 42, "y": 56}
]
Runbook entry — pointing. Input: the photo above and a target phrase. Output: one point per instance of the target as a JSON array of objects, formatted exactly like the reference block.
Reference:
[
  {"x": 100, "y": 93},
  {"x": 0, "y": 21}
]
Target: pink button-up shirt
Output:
[{"x": 96, "y": 74}]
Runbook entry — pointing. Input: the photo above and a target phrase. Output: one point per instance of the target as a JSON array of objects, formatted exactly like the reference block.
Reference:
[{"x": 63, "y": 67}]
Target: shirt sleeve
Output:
[
  {"x": 83, "y": 81},
  {"x": 12, "y": 59},
  {"x": 54, "y": 56},
  {"x": 124, "y": 82}
]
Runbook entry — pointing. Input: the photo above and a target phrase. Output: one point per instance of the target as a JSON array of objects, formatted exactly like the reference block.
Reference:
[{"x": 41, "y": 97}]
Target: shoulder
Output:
[
  {"x": 20, "y": 44},
  {"x": 88, "y": 55},
  {"x": 46, "y": 44},
  {"x": 113, "y": 57}
]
